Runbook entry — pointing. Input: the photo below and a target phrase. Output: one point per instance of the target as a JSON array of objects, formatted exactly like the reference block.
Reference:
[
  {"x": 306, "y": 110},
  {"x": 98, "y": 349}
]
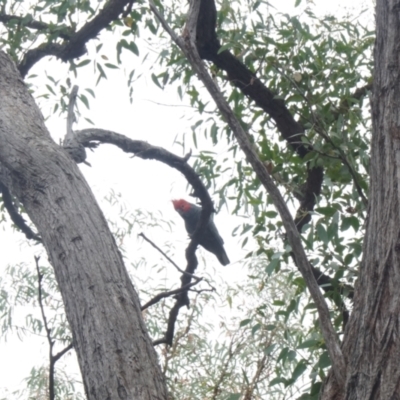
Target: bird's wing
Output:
[{"x": 212, "y": 227}]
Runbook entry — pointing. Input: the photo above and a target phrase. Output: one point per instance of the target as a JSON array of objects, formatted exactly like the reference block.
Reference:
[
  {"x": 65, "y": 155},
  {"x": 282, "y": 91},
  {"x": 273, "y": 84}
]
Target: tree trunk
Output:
[
  {"x": 372, "y": 342},
  {"x": 115, "y": 354}
]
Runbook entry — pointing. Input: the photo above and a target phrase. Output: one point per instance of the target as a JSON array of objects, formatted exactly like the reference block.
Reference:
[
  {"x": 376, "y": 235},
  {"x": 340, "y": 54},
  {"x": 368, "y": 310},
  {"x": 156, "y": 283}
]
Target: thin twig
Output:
[
  {"x": 168, "y": 258},
  {"x": 52, "y": 358}
]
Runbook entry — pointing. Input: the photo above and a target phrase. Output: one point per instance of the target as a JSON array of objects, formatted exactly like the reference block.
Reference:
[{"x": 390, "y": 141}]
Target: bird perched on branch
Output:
[{"x": 210, "y": 238}]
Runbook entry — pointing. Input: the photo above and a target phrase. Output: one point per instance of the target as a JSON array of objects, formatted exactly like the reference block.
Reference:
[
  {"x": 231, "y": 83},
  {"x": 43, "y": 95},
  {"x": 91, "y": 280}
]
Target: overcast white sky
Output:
[{"x": 147, "y": 185}]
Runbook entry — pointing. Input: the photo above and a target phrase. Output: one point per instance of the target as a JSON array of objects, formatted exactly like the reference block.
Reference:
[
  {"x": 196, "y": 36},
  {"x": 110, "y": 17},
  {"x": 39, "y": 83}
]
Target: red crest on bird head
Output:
[{"x": 181, "y": 205}]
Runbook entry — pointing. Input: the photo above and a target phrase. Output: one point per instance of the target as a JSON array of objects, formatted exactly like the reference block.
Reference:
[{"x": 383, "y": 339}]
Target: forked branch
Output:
[{"x": 146, "y": 151}]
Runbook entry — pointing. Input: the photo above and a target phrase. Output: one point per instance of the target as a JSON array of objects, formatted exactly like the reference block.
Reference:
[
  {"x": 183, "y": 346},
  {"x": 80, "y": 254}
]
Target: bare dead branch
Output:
[
  {"x": 188, "y": 46},
  {"x": 15, "y": 216},
  {"x": 170, "y": 293},
  {"x": 169, "y": 334}
]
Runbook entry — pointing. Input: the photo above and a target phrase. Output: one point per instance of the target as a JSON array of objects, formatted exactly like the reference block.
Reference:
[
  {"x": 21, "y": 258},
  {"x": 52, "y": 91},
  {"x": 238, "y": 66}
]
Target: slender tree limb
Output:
[
  {"x": 75, "y": 46},
  {"x": 17, "y": 218},
  {"x": 62, "y": 352},
  {"x": 169, "y": 334},
  {"x": 188, "y": 45},
  {"x": 170, "y": 293},
  {"x": 40, "y": 299}
]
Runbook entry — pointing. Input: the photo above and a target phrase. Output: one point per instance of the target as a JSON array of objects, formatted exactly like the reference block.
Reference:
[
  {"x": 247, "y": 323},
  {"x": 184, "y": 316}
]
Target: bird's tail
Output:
[{"x": 223, "y": 258}]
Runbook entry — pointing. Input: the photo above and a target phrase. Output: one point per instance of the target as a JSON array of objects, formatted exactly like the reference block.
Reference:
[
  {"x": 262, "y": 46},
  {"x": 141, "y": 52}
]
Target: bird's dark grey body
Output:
[{"x": 211, "y": 240}]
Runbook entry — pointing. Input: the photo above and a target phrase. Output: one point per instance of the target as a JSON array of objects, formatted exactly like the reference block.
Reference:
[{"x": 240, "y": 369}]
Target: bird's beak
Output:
[{"x": 174, "y": 202}]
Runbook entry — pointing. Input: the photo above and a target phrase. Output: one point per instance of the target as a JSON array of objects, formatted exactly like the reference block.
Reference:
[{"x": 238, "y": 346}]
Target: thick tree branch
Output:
[
  {"x": 188, "y": 45},
  {"x": 75, "y": 46},
  {"x": 146, "y": 151}
]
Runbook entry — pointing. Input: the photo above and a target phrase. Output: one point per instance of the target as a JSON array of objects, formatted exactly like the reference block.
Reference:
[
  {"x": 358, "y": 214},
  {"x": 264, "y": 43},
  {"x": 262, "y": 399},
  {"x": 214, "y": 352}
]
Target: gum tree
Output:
[{"x": 287, "y": 96}]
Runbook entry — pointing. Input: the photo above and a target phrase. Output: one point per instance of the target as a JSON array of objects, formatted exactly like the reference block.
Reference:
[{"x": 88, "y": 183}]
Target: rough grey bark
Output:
[
  {"x": 372, "y": 342},
  {"x": 115, "y": 354}
]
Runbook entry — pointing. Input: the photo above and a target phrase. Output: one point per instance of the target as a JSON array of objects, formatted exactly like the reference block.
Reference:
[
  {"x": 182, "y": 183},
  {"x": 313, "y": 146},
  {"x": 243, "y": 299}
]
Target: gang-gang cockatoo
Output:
[{"x": 210, "y": 239}]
